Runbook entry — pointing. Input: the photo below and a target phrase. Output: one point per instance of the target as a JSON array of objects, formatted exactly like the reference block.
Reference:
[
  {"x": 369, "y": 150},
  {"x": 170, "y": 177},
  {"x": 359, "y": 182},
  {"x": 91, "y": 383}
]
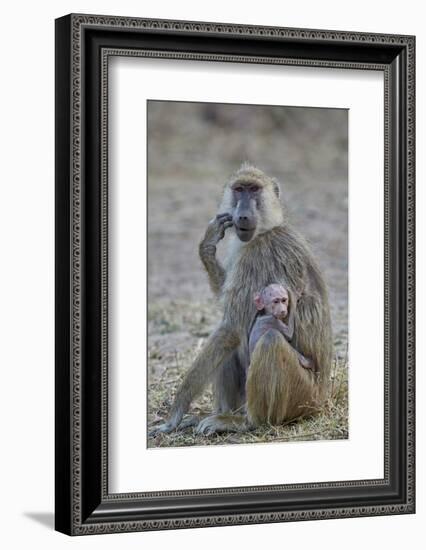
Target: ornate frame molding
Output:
[{"x": 85, "y": 508}]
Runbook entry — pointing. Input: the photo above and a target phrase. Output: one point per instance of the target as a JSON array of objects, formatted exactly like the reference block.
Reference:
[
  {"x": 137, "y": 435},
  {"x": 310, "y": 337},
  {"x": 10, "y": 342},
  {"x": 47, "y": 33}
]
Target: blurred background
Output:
[{"x": 193, "y": 148}]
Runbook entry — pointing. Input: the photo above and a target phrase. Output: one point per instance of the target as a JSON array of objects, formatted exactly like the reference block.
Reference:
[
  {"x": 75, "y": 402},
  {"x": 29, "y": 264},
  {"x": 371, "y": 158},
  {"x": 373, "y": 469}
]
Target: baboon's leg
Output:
[
  {"x": 230, "y": 399},
  {"x": 229, "y": 385},
  {"x": 218, "y": 348},
  {"x": 278, "y": 388}
]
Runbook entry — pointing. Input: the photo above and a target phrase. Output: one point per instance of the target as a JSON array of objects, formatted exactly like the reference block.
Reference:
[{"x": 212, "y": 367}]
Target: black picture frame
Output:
[{"x": 83, "y": 45}]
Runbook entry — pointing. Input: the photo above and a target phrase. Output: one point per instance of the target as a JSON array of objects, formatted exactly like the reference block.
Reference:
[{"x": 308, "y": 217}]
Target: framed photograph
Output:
[{"x": 234, "y": 274}]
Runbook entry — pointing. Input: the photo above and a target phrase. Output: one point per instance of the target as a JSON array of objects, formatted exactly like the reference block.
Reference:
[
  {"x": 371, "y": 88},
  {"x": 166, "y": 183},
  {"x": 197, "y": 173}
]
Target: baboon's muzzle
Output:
[{"x": 244, "y": 219}]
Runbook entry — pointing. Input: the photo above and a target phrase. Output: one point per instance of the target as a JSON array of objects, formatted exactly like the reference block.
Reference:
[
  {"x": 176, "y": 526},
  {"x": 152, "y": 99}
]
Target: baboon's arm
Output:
[
  {"x": 215, "y": 271},
  {"x": 286, "y": 330},
  {"x": 219, "y": 346},
  {"x": 290, "y": 317},
  {"x": 214, "y": 233}
]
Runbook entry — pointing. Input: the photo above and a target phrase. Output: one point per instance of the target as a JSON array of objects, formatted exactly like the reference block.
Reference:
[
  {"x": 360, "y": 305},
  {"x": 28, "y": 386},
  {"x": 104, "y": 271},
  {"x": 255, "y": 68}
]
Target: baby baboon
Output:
[
  {"x": 275, "y": 363},
  {"x": 264, "y": 249},
  {"x": 274, "y": 308}
]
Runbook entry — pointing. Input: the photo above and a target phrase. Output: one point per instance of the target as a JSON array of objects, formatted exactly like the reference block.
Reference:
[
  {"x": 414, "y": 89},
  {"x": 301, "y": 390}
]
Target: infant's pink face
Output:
[{"x": 275, "y": 301}]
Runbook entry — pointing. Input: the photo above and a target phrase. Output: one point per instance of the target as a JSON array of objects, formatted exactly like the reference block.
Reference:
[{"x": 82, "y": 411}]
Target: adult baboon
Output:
[{"x": 264, "y": 248}]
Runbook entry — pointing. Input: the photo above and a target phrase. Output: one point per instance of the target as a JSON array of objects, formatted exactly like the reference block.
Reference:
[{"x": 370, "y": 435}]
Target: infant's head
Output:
[{"x": 273, "y": 300}]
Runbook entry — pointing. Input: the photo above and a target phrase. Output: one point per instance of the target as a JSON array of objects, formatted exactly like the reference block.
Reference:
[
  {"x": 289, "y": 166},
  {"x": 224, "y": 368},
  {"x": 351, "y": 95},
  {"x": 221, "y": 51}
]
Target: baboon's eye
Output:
[
  {"x": 238, "y": 189},
  {"x": 254, "y": 188}
]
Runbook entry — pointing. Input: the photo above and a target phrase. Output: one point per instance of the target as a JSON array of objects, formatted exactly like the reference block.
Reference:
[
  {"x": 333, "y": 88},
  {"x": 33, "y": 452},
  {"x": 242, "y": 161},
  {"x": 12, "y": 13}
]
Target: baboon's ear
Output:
[
  {"x": 259, "y": 302},
  {"x": 277, "y": 190}
]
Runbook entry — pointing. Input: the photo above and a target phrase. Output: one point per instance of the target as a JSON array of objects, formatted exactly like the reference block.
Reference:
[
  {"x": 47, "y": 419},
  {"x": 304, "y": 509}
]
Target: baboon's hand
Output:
[
  {"x": 295, "y": 296},
  {"x": 189, "y": 422},
  {"x": 222, "y": 423},
  {"x": 305, "y": 362},
  {"x": 216, "y": 229},
  {"x": 298, "y": 293}
]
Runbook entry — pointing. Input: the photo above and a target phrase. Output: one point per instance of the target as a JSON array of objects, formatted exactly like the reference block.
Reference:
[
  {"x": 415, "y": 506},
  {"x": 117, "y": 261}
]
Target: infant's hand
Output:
[
  {"x": 298, "y": 294},
  {"x": 305, "y": 362}
]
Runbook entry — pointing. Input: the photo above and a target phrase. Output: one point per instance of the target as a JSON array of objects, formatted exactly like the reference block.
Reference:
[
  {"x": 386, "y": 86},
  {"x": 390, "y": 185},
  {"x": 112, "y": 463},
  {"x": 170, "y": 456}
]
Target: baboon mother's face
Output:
[{"x": 246, "y": 201}]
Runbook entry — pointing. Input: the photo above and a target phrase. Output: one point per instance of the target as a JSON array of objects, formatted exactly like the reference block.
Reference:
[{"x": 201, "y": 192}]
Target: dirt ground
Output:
[{"x": 192, "y": 149}]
